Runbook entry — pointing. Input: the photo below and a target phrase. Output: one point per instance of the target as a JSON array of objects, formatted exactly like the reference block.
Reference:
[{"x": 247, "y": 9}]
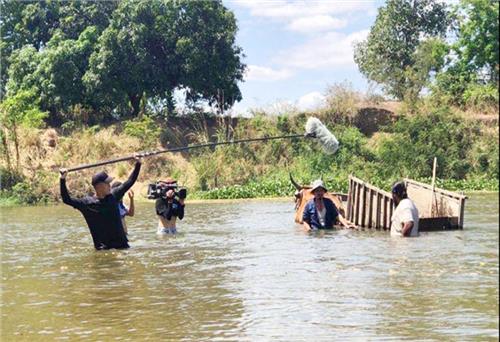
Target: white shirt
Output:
[
  {"x": 405, "y": 211},
  {"x": 322, "y": 215}
]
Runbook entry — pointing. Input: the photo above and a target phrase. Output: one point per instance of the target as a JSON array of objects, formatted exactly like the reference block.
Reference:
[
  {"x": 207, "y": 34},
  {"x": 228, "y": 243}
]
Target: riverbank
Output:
[{"x": 394, "y": 146}]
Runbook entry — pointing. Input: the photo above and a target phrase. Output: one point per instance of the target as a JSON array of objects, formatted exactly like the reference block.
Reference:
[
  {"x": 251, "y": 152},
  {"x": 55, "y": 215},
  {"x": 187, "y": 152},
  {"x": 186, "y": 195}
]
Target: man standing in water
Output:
[
  {"x": 404, "y": 221},
  {"x": 102, "y": 210},
  {"x": 169, "y": 208},
  {"x": 320, "y": 212}
]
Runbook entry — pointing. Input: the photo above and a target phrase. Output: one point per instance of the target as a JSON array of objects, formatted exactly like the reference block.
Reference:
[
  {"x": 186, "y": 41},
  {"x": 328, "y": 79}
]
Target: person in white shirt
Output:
[{"x": 404, "y": 221}]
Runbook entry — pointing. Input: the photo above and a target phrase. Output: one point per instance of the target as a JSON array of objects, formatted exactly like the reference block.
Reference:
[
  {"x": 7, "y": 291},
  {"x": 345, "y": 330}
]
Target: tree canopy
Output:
[
  {"x": 113, "y": 56},
  {"x": 388, "y": 53},
  {"x": 453, "y": 50}
]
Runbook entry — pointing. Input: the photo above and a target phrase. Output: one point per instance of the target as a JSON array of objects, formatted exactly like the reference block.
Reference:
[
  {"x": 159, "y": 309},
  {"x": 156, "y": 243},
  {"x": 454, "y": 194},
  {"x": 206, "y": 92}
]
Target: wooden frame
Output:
[{"x": 371, "y": 207}]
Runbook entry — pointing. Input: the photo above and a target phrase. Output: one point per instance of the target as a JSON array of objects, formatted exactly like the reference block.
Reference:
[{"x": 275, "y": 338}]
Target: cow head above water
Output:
[{"x": 303, "y": 195}]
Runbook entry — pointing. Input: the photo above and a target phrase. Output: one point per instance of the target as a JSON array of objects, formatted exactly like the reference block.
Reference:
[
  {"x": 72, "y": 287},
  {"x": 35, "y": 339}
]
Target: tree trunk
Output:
[
  {"x": 135, "y": 102},
  {"x": 16, "y": 144},
  {"x": 6, "y": 149}
]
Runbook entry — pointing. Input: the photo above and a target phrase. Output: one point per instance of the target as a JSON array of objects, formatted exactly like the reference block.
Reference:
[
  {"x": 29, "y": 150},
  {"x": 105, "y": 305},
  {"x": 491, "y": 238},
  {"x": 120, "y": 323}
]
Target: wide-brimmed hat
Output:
[{"x": 318, "y": 183}]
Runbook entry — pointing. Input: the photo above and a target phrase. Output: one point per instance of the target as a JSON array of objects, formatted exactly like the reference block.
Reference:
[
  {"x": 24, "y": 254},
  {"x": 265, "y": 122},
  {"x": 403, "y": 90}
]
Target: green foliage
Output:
[
  {"x": 481, "y": 96},
  {"x": 35, "y": 23},
  {"x": 21, "y": 110},
  {"x": 152, "y": 48},
  {"x": 477, "y": 44},
  {"x": 417, "y": 140},
  {"x": 16, "y": 189},
  {"x": 109, "y": 56},
  {"x": 390, "y": 49},
  {"x": 144, "y": 128},
  {"x": 472, "y": 71},
  {"x": 429, "y": 59}
]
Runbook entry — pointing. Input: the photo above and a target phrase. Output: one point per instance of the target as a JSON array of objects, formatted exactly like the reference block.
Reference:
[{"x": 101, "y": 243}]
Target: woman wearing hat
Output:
[{"x": 320, "y": 212}]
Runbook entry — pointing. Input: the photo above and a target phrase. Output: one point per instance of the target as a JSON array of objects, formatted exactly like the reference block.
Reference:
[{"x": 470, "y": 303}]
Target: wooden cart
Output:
[{"x": 371, "y": 207}]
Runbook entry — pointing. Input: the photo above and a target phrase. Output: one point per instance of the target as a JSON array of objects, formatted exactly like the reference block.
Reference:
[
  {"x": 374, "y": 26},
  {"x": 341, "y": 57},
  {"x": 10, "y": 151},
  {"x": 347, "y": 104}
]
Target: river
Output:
[{"x": 244, "y": 271}]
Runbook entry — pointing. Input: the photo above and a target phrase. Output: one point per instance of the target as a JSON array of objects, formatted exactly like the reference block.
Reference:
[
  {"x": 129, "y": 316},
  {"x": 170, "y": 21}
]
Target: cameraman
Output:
[{"x": 169, "y": 208}]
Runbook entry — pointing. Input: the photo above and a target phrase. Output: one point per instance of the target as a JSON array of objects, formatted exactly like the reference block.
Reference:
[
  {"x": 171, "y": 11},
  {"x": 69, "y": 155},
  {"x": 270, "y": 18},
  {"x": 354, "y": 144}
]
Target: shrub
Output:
[
  {"x": 418, "y": 139},
  {"x": 144, "y": 128},
  {"x": 481, "y": 97},
  {"x": 342, "y": 101}
]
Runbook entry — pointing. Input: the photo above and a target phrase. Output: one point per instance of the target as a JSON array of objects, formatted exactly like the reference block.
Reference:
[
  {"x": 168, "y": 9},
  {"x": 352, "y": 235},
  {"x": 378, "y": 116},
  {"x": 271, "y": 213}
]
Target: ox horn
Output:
[{"x": 295, "y": 184}]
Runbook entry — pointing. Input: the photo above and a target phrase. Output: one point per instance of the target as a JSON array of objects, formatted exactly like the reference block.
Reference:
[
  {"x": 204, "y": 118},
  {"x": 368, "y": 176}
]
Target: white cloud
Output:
[
  {"x": 260, "y": 73},
  {"x": 311, "y": 101},
  {"x": 316, "y": 23},
  {"x": 333, "y": 49},
  {"x": 281, "y": 9}
]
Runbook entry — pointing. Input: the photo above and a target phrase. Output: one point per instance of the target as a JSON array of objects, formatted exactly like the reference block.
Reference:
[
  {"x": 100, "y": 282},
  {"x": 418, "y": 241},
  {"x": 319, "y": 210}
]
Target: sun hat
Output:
[{"x": 318, "y": 183}]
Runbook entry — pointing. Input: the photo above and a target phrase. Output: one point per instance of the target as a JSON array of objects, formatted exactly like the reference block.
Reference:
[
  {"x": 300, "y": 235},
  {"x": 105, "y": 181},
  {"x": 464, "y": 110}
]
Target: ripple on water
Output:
[{"x": 245, "y": 271}]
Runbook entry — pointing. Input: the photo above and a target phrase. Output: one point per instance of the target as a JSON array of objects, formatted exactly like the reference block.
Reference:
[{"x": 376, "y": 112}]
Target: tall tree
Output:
[
  {"x": 20, "y": 110},
  {"x": 477, "y": 44},
  {"x": 34, "y": 23},
  {"x": 474, "y": 62},
  {"x": 389, "y": 52},
  {"x": 152, "y": 48}
]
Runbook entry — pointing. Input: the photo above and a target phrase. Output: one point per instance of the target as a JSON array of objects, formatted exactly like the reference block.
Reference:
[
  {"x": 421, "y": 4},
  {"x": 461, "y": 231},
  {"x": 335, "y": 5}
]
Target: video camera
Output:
[{"x": 160, "y": 189}]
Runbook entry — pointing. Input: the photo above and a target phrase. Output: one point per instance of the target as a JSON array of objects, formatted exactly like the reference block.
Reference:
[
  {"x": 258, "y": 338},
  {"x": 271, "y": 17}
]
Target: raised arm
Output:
[
  {"x": 67, "y": 199},
  {"x": 131, "y": 207},
  {"x": 120, "y": 191}
]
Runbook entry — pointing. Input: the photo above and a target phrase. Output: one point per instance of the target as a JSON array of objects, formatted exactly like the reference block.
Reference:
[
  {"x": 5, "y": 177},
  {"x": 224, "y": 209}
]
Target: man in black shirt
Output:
[
  {"x": 101, "y": 211},
  {"x": 169, "y": 208}
]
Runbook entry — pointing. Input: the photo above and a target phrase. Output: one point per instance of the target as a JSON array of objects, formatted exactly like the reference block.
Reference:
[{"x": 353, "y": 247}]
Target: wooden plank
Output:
[
  {"x": 439, "y": 190},
  {"x": 462, "y": 211},
  {"x": 384, "y": 213},
  {"x": 391, "y": 208},
  {"x": 363, "y": 208},
  {"x": 349, "y": 199},
  {"x": 353, "y": 201},
  {"x": 372, "y": 187},
  {"x": 377, "y": 211},
  {"x": 356, "y": 205},
  {"x": 370, "y": 208}
]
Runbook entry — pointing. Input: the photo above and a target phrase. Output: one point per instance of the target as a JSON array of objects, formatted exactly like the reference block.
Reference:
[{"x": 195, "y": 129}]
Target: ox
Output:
[{"x": 304, "y": 194}]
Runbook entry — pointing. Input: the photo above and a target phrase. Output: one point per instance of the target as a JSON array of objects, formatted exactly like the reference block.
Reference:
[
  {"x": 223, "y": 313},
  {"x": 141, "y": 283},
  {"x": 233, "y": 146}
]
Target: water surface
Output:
[{"x": 244, "y": 271}]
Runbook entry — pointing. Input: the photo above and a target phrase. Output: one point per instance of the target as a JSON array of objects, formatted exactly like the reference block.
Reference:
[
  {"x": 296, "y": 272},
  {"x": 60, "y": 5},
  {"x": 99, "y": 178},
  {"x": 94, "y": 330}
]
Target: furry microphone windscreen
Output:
[{"x": 316, "y": 129}]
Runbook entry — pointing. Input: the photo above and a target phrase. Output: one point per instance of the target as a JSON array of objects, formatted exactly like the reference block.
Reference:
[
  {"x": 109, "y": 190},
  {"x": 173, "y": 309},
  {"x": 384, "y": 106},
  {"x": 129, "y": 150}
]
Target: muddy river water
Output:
[{"x": 244, "y": 271}]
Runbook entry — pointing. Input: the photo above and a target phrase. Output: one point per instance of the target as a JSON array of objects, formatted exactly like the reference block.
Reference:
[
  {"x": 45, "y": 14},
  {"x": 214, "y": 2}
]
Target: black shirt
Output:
[
  {"x": 169, "y": 209},
  {"x": 102, "y": 214}
]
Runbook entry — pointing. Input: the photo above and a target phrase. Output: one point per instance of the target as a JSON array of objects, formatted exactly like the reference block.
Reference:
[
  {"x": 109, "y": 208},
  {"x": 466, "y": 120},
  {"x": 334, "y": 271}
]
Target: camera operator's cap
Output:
[
  {"x": 318, "y": 183},
  {"x": 101, "y": 177},
  {"x": 169, "y": 180}
]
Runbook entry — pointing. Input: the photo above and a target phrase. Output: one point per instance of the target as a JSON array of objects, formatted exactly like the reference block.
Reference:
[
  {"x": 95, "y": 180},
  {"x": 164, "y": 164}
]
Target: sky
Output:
[{"x": 295, "y": 49}]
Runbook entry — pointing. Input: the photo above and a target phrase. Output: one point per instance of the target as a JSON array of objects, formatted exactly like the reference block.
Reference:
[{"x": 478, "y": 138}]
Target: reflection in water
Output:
[{"x": 245, "y": 271}]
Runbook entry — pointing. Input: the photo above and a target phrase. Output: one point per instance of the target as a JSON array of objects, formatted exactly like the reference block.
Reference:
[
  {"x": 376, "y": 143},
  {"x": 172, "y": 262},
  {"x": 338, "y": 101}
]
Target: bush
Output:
[
  {"x": 144, "y": 128},
  {"x": 8, "y": 178},
  {"x": 481, "y": 97},
  {"x": 418, "y": 139},
  {"x": 342, "y": 102}
]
